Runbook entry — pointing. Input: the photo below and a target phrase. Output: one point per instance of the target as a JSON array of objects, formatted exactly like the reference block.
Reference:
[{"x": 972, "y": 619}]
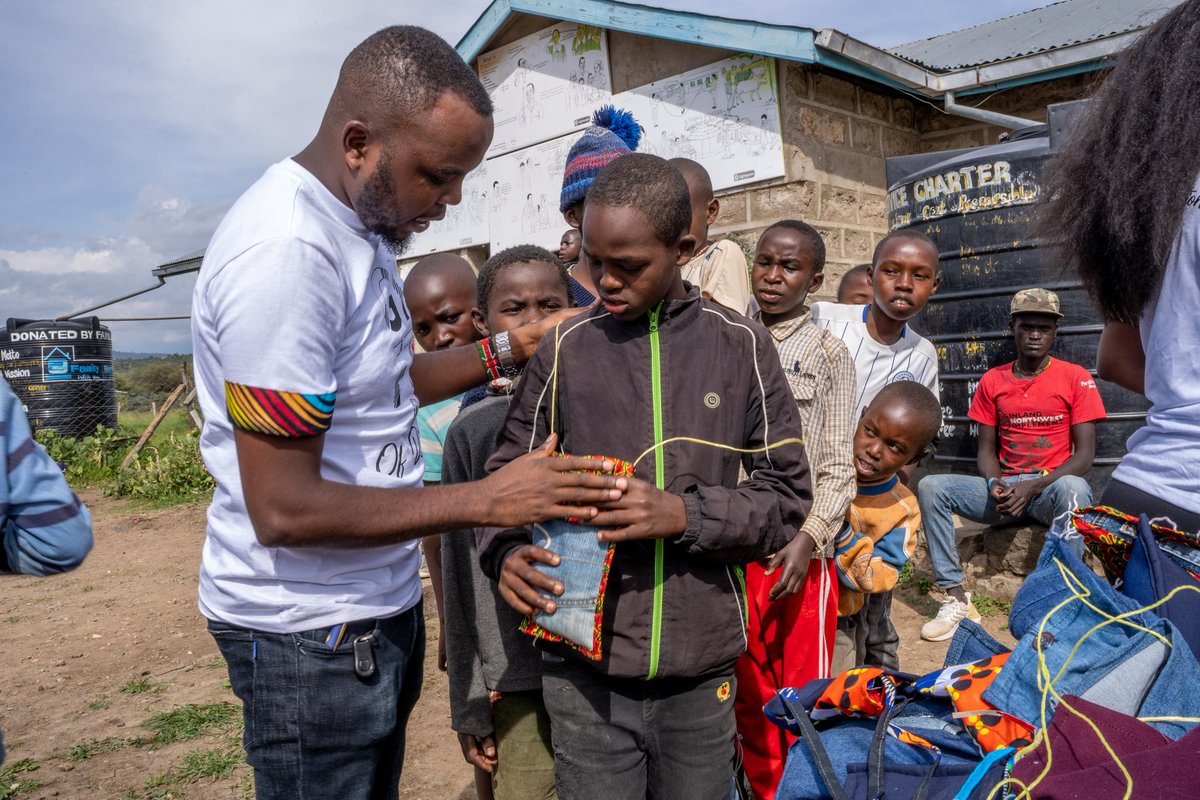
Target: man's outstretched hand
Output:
[{"x": 540, "y": 486}]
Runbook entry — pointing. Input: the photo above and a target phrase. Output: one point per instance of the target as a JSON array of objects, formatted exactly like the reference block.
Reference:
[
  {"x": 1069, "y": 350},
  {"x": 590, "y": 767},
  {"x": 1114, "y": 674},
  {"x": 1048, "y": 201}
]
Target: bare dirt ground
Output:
[{"x": 89, "y": 657}]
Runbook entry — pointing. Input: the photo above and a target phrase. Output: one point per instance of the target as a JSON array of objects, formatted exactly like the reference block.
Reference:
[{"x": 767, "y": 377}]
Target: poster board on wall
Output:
[
  {"x": 725, "y": 116},
  {"x": 525, "y": 187},
  {"x": 546, "y": 84},
  {"x": 465, "y": 224}
]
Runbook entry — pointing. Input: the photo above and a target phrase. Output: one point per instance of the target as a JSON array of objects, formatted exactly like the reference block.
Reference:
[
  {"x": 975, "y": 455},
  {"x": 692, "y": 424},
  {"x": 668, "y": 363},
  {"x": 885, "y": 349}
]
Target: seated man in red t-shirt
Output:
[{"x": 1037, "y": 438}]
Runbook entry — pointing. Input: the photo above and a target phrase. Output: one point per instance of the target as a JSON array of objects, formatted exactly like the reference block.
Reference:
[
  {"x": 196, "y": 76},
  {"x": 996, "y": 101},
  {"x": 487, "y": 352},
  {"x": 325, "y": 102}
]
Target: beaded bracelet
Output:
[{"x": 491, "y": 365}]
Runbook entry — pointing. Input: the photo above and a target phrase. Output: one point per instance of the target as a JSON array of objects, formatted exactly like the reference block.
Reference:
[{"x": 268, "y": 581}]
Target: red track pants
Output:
[{"x": 789, "y": 643}]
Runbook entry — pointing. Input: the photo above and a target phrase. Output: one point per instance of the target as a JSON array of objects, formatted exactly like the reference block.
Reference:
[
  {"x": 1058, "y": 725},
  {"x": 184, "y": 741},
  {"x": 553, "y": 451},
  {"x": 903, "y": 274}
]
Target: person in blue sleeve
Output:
[{"x": 44, "y": 528}]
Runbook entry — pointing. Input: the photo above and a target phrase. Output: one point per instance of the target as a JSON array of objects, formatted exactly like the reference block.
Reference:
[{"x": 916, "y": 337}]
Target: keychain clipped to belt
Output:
[{"x": 364, "y": 655}]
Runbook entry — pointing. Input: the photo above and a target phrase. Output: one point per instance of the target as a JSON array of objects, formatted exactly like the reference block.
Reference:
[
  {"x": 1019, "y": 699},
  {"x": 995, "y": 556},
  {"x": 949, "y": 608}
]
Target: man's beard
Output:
[{"x": 373, "y": 209}]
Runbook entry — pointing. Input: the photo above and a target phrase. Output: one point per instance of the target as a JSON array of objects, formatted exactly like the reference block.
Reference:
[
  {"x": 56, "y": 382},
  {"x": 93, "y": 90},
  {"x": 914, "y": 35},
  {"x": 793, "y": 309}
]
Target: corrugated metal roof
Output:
[{"x": 1049, "y": 28}]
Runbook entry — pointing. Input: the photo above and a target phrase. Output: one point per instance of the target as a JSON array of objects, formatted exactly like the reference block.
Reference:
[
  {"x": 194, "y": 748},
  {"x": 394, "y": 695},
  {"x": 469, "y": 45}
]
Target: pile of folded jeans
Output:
[{"x": 1097, "y": 696}]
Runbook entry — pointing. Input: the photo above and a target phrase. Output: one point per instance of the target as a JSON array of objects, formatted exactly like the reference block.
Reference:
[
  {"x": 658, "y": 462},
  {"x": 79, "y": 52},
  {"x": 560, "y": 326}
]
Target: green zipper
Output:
[
  {"x": 741, "y": 579},
  {"x": 660, "y": 480}
]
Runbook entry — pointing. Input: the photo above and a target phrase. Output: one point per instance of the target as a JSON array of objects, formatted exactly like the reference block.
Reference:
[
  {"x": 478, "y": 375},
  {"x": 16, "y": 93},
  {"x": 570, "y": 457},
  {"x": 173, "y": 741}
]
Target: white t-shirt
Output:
[
  {"x": 911, "y": 358},
  {"x": 1164, "y": 456},
  {"x": 295, "y": 296}
]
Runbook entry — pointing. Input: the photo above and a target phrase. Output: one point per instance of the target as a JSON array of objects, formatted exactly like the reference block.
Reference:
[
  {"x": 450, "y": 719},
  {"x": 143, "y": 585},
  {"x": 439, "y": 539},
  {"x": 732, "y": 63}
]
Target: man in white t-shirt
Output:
[
  {"x": 903, "y": 274},
  {"x": 305, "y": 374}
]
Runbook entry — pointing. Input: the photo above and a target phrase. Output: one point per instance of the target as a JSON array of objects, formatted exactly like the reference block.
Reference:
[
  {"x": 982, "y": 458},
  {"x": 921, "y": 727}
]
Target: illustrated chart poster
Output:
[
  {"x": 545, "y": 84},
  {"x": 465, "y": 224},
  {"x": 523, "y": 192},
  {"x": 725, "y": 116}
]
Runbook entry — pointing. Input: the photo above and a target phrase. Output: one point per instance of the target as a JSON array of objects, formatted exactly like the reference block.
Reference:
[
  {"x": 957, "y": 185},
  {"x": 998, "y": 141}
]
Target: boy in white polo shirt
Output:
[{"x": 903, "y": 275}]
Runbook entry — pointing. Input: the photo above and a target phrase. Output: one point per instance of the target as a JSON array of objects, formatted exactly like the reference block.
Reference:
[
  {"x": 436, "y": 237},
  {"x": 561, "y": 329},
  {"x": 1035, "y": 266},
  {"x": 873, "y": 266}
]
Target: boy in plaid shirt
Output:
[{"x": 792, "y": 597}]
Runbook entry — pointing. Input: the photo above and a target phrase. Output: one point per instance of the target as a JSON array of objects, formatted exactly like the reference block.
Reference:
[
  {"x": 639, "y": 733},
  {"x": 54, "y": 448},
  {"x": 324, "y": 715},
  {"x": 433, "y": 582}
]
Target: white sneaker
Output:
[{"x": 952, "y": 612}]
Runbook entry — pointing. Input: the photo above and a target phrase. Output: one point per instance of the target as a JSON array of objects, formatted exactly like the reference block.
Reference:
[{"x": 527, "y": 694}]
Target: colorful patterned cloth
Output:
[{"x": 1110, "y": 535}]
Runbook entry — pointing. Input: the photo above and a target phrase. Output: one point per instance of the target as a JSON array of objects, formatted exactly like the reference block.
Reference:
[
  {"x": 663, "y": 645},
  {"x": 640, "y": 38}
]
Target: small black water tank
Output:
[
  {"x": 979, "y": 206},
  {"x": 62, "y": 372}
]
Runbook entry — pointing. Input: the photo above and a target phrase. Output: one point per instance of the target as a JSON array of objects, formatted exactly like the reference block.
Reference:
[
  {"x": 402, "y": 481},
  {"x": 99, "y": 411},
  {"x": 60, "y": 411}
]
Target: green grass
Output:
[
  {"x": 989, "y": 606},
  {"x": 216, "y": 763},
  {"x": 12, "y": 784},
  {"x": 88, "y": 587},
  {"x": 191, "y": 722},
  {"x": 133, "y": 423},
  {"x": 13, "y": 619},
  {"x": 98, "y": 703},
  {"x": 93, "y": 747},
  {"x": 216, "y": 662},
  {"x": 141, "y": 685}
]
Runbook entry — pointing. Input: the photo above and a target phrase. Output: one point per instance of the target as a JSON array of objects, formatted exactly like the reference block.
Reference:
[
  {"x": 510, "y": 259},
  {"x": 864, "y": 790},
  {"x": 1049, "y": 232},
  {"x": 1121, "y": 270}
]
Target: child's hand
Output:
[
  {"x": 480, "y": 752},
  {"x": 794, "y": 558},
  {"x": 642, "y": 512},
  {"x": 518, "y": 577}
]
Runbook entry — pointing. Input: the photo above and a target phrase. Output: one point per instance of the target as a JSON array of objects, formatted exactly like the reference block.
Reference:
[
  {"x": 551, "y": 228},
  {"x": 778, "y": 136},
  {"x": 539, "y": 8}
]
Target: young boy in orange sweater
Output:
[{"x": 895, "y": 430}]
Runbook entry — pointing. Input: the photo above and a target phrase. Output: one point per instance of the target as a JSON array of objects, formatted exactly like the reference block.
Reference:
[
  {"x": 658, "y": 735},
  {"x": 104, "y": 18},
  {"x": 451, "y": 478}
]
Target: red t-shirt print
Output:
[{"x": 1035, "y": 415}]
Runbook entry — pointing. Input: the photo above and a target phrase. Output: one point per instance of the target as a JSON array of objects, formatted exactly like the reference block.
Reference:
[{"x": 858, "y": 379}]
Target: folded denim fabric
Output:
[
  {"x": 1151, "y": 575},
  {"x": 1141, "y": 665},
  {"x": 1080, "y": 766},
  {"x": 584, "y": 563}
]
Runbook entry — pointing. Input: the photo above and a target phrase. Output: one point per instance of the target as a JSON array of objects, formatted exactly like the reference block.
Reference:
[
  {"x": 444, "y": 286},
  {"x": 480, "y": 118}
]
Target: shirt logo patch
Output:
[
  {"x": 723, "y": 691},
  {"x": 712, "y": 399},
  {"x": 902, "y": 376}
]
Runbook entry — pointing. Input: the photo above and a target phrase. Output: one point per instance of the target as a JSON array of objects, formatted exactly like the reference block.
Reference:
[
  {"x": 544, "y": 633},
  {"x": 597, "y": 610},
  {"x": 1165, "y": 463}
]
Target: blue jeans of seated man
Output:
[
  {"x": 940, "y": 496},
  {"x": 315, "y": 729}
]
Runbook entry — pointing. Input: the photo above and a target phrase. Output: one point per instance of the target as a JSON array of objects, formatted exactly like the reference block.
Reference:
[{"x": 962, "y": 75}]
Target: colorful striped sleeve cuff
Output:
[{"x": 278, "y": 413}]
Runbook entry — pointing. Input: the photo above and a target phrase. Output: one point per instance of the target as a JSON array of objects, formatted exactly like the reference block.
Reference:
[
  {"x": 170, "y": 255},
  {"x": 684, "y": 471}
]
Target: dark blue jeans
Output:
[{"x": 314, "y": 728}]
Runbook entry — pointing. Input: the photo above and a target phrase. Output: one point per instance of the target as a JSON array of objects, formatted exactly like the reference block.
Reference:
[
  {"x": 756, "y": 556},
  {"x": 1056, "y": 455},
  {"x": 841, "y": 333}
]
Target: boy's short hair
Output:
[
  {"x": 914, "y": 397},
  {"x": 695, "y": 174},
  {"x": 860, "y": 269},
  {"x": 521, "y": 254},
  {"x": 650, "y": 185},
  {"x": 808, "y": 232},
  {"x": 906, "y": 233}
]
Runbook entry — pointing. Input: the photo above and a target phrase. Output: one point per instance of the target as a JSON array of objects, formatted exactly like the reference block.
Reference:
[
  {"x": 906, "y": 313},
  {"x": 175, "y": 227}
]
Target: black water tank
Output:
[
  {"x": 62, "y": 372},
  {"x": 979, "y": 206}
]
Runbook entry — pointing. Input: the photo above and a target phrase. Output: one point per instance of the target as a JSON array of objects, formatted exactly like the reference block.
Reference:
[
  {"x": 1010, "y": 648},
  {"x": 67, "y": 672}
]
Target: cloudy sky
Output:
[{"x": 127, "y": 129}]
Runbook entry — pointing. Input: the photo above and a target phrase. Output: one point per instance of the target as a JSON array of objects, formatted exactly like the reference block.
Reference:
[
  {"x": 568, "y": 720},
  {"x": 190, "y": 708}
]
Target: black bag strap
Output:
[{"x": 811, "y": 739}]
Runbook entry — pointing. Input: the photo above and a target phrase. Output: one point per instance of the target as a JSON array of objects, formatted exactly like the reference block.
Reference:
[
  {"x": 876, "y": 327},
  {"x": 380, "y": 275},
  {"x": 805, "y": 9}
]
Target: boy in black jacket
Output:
[{"x": 655, "y": 363}]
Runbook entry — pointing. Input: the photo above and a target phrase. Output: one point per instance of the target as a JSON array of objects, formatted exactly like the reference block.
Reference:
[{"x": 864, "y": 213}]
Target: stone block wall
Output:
[{"x": 836, "y": 134}]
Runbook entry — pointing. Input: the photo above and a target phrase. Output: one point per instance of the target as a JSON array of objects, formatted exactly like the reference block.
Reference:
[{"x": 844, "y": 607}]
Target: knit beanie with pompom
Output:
[{"x": 614, "y": 132}]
